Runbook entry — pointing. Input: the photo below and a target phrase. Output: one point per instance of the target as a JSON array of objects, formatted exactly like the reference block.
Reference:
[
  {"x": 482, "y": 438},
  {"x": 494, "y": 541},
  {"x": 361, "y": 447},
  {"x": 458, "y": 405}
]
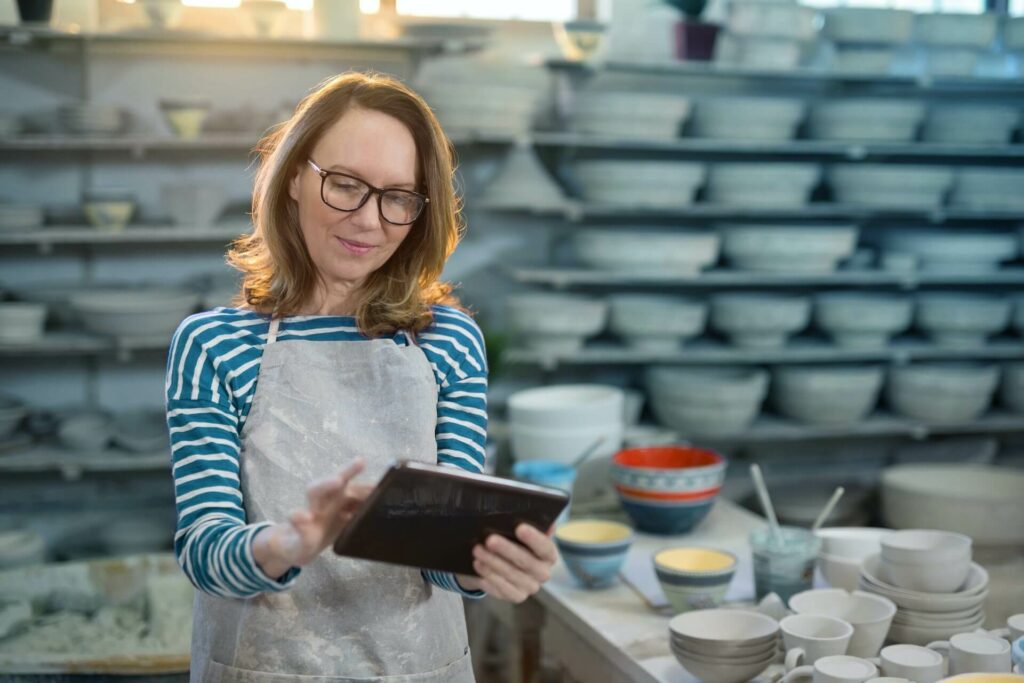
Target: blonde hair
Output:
[{"x": 279, "y": 276}]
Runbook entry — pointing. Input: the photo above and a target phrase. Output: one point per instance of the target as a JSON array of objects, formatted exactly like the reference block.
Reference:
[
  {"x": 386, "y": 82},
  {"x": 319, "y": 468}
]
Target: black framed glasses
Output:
[{"x": 346, "y": 192}]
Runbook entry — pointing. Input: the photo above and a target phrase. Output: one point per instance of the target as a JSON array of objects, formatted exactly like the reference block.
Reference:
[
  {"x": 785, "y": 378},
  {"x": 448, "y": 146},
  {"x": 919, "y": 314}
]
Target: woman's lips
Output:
[{"x": 357, "y": 248}]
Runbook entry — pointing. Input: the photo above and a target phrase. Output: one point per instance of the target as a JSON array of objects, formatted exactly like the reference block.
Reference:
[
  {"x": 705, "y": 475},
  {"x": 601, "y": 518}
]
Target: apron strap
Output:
[
  {"x": 410, "y": 337},
  {"x": 275, "y": 325}
]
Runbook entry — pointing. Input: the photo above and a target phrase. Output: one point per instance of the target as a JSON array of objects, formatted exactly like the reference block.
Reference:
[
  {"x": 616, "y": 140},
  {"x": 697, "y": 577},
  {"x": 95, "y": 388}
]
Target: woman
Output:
[{"x": 346, "y": 354}]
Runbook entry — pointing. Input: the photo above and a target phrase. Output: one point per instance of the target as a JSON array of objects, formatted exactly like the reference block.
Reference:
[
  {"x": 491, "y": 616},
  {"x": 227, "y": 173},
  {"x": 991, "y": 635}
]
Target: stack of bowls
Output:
[
  {"x": 971, "y": 124},
  {"x": 862, "y": 319},
  {"x": 647, "y": 251},
  {"x": 942, "y": 392},
  {"x": 988, "y": 189},
  {"x": 694, "y": 578},
  {"x": 91, "y": 119},
  {"x": 924, "y": 617},
  {"x": 644, "y": 183},
  {"x": 961, "y": 319},
  {"x": 667, "y": 489},
  {"x": 139, "y": 312},
  {"x": 787, "y": 248},
  {"x": 559, "y": 422},
  {"x": 925, "y": 560},
  {"x": 724, "y": 646},
  {"x": 782, "y": 185},
  {"x": 757, "y": 320},
  {"x": 865, "y": 120},
  {"x": 748, "y": 118},
  {"x": 706, "y": 401},
  {"x": 829, "y": 395},
  {"x": 20, "y": 216},
  {"x": 593, "y": 550},
  {"x": 633, "y": 115},
  {"x": 655, "y": 322},
  {"x": 889, "y": 185},
  {"x": 843, "y": 551},
  {"x": 556, "y": 323}
]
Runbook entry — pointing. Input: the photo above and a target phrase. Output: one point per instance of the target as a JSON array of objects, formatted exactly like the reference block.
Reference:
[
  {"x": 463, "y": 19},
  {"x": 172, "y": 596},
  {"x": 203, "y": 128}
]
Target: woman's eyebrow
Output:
[{"x": 351, "y": 171}]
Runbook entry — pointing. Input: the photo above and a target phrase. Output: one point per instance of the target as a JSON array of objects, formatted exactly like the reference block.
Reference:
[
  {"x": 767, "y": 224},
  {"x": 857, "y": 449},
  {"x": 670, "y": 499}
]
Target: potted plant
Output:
[{"x": 695, "y": 39}]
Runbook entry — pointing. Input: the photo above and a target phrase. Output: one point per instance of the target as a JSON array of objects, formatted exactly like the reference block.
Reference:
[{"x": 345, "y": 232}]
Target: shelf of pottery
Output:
[{"x": 813, "y": 254}]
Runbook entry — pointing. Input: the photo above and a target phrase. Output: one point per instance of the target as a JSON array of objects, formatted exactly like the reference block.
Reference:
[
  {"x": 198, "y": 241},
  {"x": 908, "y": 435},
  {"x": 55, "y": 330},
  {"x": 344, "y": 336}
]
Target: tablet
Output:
[{"x": 430, "y": 517}]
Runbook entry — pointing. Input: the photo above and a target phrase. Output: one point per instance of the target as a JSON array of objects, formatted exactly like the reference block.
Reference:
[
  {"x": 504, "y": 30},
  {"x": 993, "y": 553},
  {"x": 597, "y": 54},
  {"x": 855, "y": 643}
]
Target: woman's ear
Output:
[{"x": 293, "y": 184}]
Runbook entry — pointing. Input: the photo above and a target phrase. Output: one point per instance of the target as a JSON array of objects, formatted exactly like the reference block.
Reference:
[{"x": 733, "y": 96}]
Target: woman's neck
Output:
[{"x": 341, "y": 298}]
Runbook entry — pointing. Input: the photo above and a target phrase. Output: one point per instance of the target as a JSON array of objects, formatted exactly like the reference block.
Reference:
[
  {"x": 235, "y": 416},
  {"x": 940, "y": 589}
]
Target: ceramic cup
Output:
[
  {"x": 870, "y": 615},
  {"x": 785, "y": 567},
  {"x": 912, "y": 662},
  {"x": 834, "y": 669},
  {"x": 1017, "y": 654},
  {"x": 808, "y": 638},
  {"x": 1014, "y": 628},
  {"x": 975, "y": 653}
]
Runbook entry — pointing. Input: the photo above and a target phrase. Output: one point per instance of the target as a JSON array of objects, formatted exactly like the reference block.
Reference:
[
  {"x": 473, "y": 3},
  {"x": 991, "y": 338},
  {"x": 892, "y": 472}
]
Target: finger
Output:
[
  {"x": 507, "y": 571},
  {"x": 541, "y": 545},
  {"x": 320, "y": 493},
  {"x": 497, "y": 586},
  {"x": 352, "y": 471},
  {"x": 518, "y": 556}
]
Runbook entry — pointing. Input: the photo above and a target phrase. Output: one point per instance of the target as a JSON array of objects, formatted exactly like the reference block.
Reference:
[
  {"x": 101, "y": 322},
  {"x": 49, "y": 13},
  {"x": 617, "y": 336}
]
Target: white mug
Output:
[
  {"x": 808, "y": 638},
  {"x": 913, "y": 662},
  {"x": 870, "y": 615},
  {"x": 975, "y": 653},
  {"x": 1014, "y": 628},
  {"x": 835, "y": 669}
]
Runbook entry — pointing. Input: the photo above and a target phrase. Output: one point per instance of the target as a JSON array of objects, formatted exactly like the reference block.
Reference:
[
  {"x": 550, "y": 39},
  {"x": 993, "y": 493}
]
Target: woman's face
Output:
[{"x": 347, "y": 246}]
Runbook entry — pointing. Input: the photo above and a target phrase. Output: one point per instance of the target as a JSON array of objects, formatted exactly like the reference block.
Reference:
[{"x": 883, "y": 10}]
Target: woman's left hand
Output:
[{"x": 514, "y": 571}]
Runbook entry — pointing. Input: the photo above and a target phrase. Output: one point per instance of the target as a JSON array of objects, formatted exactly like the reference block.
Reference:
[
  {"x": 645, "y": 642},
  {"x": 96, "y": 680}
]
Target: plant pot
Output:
[
  {"x": 695, "y": 40},
  {"x": 35, "y": 11}
]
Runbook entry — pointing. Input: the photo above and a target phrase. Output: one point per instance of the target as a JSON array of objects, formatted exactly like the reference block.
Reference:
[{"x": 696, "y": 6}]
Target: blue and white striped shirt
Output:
[{"x": 212, "y": 371}]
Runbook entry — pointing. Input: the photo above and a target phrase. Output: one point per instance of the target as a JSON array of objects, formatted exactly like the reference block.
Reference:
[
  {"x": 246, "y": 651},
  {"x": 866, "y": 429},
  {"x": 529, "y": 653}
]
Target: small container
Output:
[
  {"x": 593, "y": 550},
  {"x": 548, "y": 473},
  {"x": 785, "y": 568}
]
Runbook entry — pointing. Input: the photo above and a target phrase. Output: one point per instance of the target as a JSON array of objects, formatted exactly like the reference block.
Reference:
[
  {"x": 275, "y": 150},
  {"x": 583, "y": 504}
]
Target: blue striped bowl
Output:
[
  {"x": 593, "y": 550},
  {"x": 694, "y": 578}
]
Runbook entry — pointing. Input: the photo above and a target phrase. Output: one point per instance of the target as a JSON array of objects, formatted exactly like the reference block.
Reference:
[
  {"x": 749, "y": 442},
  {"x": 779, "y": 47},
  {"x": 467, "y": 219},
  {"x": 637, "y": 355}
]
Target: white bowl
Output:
[
  {"x": 195, "y": 204},
  {"x": 762, "y": 184},
  {"x": 956, "y": 29},
  {"x": 988, "y": 189},
  {"x": 1012, "y": 392},
  {"x": 772, "y": 248},
  {"x": 926, "y": 578},
  {"x": 839, "y": 572},
  {"x": 758, "y": 52},
  {"x": 747, "y": 118},
  {"x": 556, "y": 322},
  {"x": 862, "y": 319},
  {"x": 942, "y": 392},
  {"x": 633, "y": 115},
  {"x": 706, "y": 401},
  {"x": 143, "y": 431},
  {"x": 979, "y": 501},
  {"x": 854, "y": 543},
  {"x": 715, "y": 628},
  {"x": 565, "y": 444},
  {"x": 925, "y": 546},
  {"x": 890, "y": 185},
  {"x": 656, "y": 322},
  {"x": 863, "y": 61},
  {"x": 725, "y": 670},
  {"x": 969, "y": 595},
  {"x": 952, "y": 61},
  {"x": 647, "y": 251},
  {"x": 827, "y": 394},
  {"x": 568, "y": 406},
  {"x": 867, "y": 120},
  {"x": 960, "y": 318},
  {"x": 915, "y": 635},
  {"x": 112, "y": 215},
  {"x": 869, "y": 25},
  {"x": 779, "y": 20},
  {"x": 953, "y": 250},
  {"x": 755, "y": 320},
  {"x": 88, "y": 431},
  {"x": 15, "y": 217},
  {"x": 139, "y": 312},
  {"x": 639, "y": 183},
  {"x": 971, "y": 124},
  {"x": 21, "y": 323},
  {"x": 523, "y": 181}
]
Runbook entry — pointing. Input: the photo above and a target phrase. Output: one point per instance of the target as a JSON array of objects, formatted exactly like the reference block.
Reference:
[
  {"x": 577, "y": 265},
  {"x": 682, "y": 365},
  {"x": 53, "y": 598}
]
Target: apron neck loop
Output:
[
  {"x": 275, "y": 325},
  {"x": 410, "y": 336}
]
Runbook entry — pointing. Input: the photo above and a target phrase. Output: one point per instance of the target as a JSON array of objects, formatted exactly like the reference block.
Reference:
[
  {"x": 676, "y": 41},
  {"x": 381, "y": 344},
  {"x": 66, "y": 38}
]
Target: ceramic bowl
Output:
[
  {"x": 979, "y": 501},
  {"x": 141, "y": 431},
  {"x": 12, "y": 412},
  {"x": 669, "y": 517},
  {"x": 942, "y": 392},
  {"x": 91, "y": 119},
  {"x": 724, "y": 670},
  {"x": 734, "y": 652},
  {"x": 771, "y": 248},
  {"x": 970, "y": 595},
  {"x": 925, "y": 546},
  {"x": 1012, "y": 392},
  {"x": 17, "y": 217},
  {"x": 953, "y": 250},
  {"x": 956, "y": 29},
  {"x": 757, "y": 320},
  {"x": 827, "y": 394},
  {"x": 631, "y": 115},
  {"x": 865, "y": 120},
  {"x": 110, "y": 215},
  {"x": 926, "y": 578},
  {"x": 856, "y": 59},
  {"x": 843, "y": 550},
  {"x": 593, "y": 550},
  {"x": 783, "y": 185},
  {"x": 85, "y": 431},
  {"x": 655, "y": 322},
  {"x": 579, "y": 40},
  {"x": 656, "y": 184},
  {"x": 890, "y": 185},
  {"x": 985, "y": 678},
  {"x": 142, "y": 312},
  {"x": 971, "y": 124},
  {"x": 185, "y": 117},
  {"x": 862, "y": 319},
  {"x": 987, "y": 189},
  {"x": 869, "y": 25},
  {"x": 783, "y": 20},
  {"x": 565, "y": 444},
  {"x": 647, "y": 251},
  {"x": 193, "y": 205},
  {"x": 960, "y": 318},
  {"x": 706, "y": 401},
  {"x": 523, "y": 181},
  {"x": 870, "y": 615},
  {"x": 556, "y": 323},
  {"x": 747, "y": 118},
  {"x": 717, "y": 632},
  {"x": 694, "y": 578},
  {"x": 566, "y": 406},
  {"x": 21, "y": 323}
]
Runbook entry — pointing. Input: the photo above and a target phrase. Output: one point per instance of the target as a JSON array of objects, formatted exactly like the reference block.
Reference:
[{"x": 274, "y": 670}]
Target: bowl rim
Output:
[
  {"x": 729, "y": 569},
  {"x": 717, "y": 460},
  {"x": 625, "y": 540}
]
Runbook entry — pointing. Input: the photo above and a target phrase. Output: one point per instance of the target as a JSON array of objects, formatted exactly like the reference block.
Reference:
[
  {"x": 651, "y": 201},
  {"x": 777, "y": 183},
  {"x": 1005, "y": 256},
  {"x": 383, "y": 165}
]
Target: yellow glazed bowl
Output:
[{"x": 593, "y": 550}]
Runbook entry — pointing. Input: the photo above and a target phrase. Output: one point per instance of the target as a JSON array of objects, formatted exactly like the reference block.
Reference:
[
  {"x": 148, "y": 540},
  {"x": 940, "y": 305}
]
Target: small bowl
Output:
[
  {"x": 716, "y": 631},
  {"x": 855, "y": 543},
  {"x": 593, "y": 550},
  {"x": 925, "y": 546},
  {"x": 85, "y": 432},
  {"x": 840, "y": 572},
  {"x": 185, "y": 117},
  {"x": 694, "y": 578},
  {"x": 943, "y": 577},
  {"x": 111, "y": 215}
]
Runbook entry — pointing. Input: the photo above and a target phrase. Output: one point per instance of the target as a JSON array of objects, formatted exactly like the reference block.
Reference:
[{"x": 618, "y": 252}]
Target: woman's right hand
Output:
[{"x": 297, "y": 542}]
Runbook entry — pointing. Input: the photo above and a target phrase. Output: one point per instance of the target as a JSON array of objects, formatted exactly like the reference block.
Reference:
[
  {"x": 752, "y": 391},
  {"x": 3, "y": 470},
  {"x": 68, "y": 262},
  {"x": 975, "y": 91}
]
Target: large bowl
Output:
[
  {"x": 194, "y": 204},
  {"x": 659, "y": 184},
  {"x": 566, "y": 406},
  {"x": 781, "y": 185},
  {"x": 784, "y": 248},
  {"x": 724, "y": 670},
  {"x": 890, "y": 185},
  {"x": 954, "y": 251},
  {"x": 565, "y": 444},
  {"x": 971, "y": 124},
  {"x": 869, "y": 25},
  {"x": 983, "y": 502},
  {"x": 862, "y": 319},
  {"x": 988, "y": 189},
  {"x": 961, "y": 319},
  {"x": 21, "y": 323},
  {"x": 647, "y": 251},
  {"x": 694, "y": 578},
  {"x": 1012, "y": 391},
  {"x": 942, "y": 392},
  {"x": 780, "y": 20},
  {"x": 706, "y": 401},
  {"x": 593, "y": 550},
  {"x": 142, "y": 312},
  {"x": 834, "y": 395},
  {"x": 956, "y": 29},
  {"x": 865, "y": 120},
  {"x": 748, "y": 118},
  {"x": 718, "y": 632},
  {"x": 633, "y": 115},
  {"x": 556, "y": 323},
  {"x": 970, "y": 595},
  {"x": 757, "y": 320},
  {"x": 656, "y": 322}
]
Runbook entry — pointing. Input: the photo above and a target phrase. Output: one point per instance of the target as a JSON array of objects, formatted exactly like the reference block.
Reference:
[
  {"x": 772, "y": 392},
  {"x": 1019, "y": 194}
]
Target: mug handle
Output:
[
  {"x": 1003, "y": 633},
  {"x": 793, "y": 658},
  {"x": 941, "y": 646},
  {"x": 797, "y": 673}
]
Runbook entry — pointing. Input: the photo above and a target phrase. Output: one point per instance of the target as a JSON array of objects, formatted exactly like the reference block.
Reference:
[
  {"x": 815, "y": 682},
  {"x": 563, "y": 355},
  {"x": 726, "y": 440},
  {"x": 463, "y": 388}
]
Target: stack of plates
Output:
[
  {"x": 922, "y": 618},
  {"x": 634, "y": 115},
  {"x": 91, "y": 119},
  {"x": 20, "y": 216}
]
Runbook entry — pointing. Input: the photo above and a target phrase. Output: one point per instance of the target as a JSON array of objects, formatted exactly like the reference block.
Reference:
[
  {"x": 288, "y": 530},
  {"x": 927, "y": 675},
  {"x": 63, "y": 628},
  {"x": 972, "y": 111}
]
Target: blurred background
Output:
[{"x": 789, "y": 232}]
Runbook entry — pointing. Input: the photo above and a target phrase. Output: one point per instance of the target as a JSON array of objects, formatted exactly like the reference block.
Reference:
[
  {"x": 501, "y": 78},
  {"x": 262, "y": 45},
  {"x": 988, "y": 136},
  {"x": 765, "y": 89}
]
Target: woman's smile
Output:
[{"x": 357, "y": 248}]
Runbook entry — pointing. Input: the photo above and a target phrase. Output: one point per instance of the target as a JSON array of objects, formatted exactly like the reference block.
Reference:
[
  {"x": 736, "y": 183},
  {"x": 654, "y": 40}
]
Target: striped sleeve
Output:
[
  {"x": 454, "y": 346},
  {"x": 213, "y": 542}
]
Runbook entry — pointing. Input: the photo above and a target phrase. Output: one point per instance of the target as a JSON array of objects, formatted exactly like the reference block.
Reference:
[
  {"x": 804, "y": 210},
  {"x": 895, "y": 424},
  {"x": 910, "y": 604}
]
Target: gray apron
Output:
[{"x": 318, "y": 405}]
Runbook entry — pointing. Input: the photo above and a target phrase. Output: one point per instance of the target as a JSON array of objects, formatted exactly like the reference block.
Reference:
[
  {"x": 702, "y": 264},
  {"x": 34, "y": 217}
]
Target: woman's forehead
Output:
[{"x": 370, "y": 144}]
